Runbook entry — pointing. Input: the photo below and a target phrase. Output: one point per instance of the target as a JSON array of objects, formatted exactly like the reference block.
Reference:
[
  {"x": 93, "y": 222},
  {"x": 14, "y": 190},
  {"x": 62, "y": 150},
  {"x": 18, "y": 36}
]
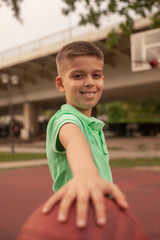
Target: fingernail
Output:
[
  {"x": 101, "y": 221},
  {"x": 61, "y": 217},
  {"x": 45, "y": 210},
  {"x": 126, "y": 204},
  {"x": 81, "y": 223}
]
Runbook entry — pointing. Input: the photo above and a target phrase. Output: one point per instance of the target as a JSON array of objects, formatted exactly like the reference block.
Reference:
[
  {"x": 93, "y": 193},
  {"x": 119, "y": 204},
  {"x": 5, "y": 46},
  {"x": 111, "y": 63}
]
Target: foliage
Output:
[
  {"x": 156, "y": 20},
  {"x": 94, "y": 10},
  {"x": 130, "y": 112},
  {"x": 112, "y": 40},
  {"x": 15, "y": 6},
  {"x": 49, "y": 113}
]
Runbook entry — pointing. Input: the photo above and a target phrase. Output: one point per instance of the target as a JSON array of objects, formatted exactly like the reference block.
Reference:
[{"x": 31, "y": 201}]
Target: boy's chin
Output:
[{"x": 86, "y": 107}]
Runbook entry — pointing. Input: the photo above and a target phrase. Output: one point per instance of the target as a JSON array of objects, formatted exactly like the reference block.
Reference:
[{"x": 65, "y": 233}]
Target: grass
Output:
[
  {"x": 115, "y": 148},
  {"x": 10, "y": 157},
  {"x": 141, "y": 147},
  {"x": 35, "y": 146},
  {"x": 157, "y": 146},
  {"x": 138, "y": 162}
]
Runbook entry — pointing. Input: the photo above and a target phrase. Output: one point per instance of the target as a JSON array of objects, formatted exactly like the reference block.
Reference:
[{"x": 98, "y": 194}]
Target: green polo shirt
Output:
[{"x": 56, "y": 154}]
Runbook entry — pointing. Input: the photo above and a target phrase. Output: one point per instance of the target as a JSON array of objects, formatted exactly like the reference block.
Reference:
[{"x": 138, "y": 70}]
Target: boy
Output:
[{"x": 76, "y": 149}]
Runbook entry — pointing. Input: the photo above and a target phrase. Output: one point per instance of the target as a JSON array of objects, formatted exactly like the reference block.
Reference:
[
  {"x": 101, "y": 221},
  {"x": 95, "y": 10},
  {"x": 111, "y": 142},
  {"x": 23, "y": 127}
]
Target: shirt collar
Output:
[{"x": 94, "y": 123}]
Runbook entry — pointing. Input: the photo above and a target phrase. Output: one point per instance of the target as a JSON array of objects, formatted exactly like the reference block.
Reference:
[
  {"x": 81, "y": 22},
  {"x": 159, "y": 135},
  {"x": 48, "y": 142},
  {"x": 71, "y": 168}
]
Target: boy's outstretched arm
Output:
[{"x": 86, "y": 182}]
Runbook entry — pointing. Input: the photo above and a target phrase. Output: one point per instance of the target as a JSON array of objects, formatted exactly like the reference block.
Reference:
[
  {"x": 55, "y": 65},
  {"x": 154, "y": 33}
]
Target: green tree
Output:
[
  {"x": 95, "y": 9},
  {"x": 147, "y": 110}
]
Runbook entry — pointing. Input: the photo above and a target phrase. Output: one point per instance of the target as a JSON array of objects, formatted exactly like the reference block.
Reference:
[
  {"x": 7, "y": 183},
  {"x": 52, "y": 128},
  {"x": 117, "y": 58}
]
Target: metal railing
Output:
[{"x": 46, "y": 41}]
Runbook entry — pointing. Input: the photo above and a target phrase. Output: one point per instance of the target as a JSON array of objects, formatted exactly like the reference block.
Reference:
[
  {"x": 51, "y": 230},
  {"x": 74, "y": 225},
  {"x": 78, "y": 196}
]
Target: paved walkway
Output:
[
  {"x": 144, "y": 147},
  {"x": 44, "y": 162},
  {"x": 23, "y": 164},
  {"x": 20, "y": 149}
]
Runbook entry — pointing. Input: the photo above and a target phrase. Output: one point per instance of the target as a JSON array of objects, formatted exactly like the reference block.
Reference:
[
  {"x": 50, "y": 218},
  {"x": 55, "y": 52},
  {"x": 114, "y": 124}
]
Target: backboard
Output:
[{"x": 145, "y": 50}]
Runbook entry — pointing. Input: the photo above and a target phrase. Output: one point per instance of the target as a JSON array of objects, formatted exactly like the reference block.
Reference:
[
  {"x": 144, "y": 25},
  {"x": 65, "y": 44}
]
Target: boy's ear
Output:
[{"x": 59, "y": 84}]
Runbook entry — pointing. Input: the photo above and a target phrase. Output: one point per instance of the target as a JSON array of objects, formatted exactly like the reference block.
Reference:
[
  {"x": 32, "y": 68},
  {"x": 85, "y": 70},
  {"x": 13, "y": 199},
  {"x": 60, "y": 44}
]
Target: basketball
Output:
[{"x": 121, "y": 225}]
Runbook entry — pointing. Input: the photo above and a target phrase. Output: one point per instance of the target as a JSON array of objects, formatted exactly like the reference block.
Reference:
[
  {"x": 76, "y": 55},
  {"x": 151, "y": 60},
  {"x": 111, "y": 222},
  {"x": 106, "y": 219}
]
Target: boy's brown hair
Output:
[{"x": 76, "y": 49}]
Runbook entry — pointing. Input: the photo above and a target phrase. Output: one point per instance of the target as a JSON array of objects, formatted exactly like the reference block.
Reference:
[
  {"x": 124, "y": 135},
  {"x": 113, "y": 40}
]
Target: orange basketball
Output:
[{"x": 121, "y": 225}]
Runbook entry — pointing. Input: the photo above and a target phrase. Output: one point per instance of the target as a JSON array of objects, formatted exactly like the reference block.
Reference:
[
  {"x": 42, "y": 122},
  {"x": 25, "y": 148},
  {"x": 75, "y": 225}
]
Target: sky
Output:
[{"x": 40, "y": 18}]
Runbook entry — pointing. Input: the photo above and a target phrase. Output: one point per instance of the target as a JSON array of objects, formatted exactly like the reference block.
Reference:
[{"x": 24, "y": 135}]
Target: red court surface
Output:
[{"x": 23, "y": 190}]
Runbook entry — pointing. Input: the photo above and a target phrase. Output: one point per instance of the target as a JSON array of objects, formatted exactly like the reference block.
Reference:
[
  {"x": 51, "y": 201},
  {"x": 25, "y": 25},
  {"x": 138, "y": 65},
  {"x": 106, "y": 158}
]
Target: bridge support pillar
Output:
[{"x": 30, "y": 121}]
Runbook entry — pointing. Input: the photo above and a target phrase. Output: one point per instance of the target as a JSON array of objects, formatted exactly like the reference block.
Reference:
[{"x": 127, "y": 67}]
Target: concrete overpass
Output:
[{"x": 34, "y": 63}]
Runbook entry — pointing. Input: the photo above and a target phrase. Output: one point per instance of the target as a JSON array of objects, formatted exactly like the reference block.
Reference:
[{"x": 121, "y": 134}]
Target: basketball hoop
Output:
[
  {"x": 145, "y": 50},
  {"x": 152, "y": 63}
]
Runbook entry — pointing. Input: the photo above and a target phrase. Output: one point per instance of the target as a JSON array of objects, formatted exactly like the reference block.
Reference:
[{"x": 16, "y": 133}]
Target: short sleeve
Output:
[{"x": 58, "y": 123}]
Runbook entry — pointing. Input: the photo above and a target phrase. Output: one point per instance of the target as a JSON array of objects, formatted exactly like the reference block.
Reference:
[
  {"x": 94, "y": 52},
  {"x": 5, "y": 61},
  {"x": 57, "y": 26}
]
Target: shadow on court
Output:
[{"x": 23, "y": 190}]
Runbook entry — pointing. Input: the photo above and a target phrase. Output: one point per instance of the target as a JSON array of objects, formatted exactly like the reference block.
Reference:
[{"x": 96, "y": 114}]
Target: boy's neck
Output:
[{"x": 86, "y": 112}]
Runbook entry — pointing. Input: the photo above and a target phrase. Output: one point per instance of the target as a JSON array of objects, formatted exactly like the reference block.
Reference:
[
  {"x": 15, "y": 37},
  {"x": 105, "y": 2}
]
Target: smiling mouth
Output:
[{"x": 88, "y": 93}]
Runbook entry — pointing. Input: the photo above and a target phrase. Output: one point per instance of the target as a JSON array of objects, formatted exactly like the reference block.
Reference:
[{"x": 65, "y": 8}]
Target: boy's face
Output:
[{"x": 82, "y": 82}]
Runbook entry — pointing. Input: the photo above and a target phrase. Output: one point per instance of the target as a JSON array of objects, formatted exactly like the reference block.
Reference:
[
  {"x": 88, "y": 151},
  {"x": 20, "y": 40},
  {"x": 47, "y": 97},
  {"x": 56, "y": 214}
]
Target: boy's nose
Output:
[{"x": 89, "y": 82}]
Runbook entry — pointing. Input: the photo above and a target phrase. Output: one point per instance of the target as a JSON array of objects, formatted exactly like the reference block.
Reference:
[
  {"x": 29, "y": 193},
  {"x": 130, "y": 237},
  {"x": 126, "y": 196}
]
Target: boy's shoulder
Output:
[{"x": 67, "y": 113}]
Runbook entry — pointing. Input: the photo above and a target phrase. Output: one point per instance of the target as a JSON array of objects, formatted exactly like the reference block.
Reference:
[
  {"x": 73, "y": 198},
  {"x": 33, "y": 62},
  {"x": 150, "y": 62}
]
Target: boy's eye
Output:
[
  {"x": 77, "y": 76},
  {"x": 96, "y": 75}
]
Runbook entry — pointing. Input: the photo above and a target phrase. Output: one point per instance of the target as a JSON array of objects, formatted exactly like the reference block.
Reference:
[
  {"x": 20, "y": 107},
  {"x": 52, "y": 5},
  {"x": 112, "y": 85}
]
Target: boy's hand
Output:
[
  {"x": 86, "y": 182},
  {"x": 82, "y": 188}
]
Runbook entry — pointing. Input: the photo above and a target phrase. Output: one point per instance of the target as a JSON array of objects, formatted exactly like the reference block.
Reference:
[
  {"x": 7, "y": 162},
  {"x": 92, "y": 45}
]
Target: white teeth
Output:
[{"x": 89, "y": 94}]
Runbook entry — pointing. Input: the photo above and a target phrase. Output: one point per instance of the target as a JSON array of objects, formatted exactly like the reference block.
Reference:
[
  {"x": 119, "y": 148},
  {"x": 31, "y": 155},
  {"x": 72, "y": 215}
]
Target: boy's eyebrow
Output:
[{"x": 80, "y": 70}]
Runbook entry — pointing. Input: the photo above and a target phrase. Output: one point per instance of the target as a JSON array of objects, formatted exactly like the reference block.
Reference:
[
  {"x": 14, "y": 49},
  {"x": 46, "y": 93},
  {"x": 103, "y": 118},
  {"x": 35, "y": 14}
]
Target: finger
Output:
[
  {"x": 119, "y": 197},
  {"x": 65, "y": 204},
  {"x": 117, "y": 194},
  {"x": 50, "y": 203},
  {"x": 82, "y": 208},
  {"x": 99, "y": 206}
]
